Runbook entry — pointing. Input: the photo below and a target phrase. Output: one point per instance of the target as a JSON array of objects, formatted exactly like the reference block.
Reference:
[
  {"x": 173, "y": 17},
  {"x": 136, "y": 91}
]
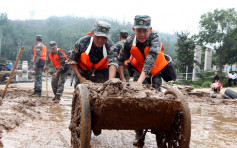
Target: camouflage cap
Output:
[
  {"x": 52, "y": 44},
  {"x": 123, "y": 34},
  {"x": 102, "y": 28},
  {"x": 142, "y": 21},
  {"x": 39, "y": 37}
]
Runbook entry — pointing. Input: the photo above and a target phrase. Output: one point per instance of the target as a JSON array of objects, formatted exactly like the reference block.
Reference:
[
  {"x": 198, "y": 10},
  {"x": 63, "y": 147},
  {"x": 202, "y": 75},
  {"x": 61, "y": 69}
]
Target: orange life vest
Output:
[
  {"x": 55, "y": 58},
  {"x": 86, "y": 64},
  {"x": 43, "y": 53},
  {"x": 138, "y": 60}
]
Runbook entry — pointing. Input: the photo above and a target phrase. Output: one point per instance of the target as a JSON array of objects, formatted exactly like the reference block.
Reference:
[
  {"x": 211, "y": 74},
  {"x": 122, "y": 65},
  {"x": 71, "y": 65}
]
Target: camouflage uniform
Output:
[
  {"x": 153, "y": 41},
  {"x": 40, "y": 65},
  {"x": 58, "y": 82},
  {"x": 96, "y": 54},
  {"x": 118, "y": 46}
]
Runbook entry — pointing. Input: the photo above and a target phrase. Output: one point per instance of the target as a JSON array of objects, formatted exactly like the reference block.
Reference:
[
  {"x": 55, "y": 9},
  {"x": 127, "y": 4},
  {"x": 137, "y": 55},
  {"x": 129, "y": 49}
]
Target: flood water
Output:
[{"x": 210, "y": 128}]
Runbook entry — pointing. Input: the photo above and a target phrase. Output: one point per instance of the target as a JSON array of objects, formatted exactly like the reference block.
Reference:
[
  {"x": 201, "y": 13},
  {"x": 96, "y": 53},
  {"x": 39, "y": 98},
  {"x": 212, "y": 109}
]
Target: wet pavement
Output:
[{"x": 214, "y": 124}]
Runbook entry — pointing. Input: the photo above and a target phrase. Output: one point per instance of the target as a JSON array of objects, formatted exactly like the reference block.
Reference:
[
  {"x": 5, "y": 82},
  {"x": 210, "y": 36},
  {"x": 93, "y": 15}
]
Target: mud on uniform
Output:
[
  {"x": 96, "y": 55},
  {"x": 39, "y": 62},
  {"x": 154, "y": 43},
  {"x": 58, "y": 82}
]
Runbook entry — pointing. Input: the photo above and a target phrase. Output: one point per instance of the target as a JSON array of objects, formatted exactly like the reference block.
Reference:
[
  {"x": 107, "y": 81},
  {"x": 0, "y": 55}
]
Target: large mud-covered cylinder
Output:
[{"x": 130, "y": 106}]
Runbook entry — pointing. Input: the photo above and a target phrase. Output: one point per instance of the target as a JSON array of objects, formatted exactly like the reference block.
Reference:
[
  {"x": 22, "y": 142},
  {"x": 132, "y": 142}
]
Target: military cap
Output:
[
  {"x": 39, "y": 37},
  {"x": 142, "y": 21},
  {"x": 52, "y": 44},
  {"x": 102, "y": 28},
  {"x": 123, "y": 34}
]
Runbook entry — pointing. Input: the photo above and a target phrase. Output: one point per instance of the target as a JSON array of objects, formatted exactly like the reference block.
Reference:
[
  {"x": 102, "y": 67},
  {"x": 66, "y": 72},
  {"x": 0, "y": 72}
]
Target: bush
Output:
[{"x": 206, "y": 84}]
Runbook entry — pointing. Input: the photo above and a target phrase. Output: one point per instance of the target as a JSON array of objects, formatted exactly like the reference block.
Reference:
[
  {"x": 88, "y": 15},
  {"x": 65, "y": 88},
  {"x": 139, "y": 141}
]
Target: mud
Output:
[
  {"x": 115, "y": 104},
  {"x": 129, "y": 106},
  {"x": 18, "y": 108},
  {"x": 34, "y": 122}
]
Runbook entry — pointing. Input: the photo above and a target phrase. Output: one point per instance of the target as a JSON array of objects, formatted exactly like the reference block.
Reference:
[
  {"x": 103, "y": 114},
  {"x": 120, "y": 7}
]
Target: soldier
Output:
[
  {"x": 93, "y": 57},
  {"x": 59, "y": 60},
  {"x": 39, "y": 58},
  {"x": 123, "y": 34},
  {"x": 144, "y": 46}
]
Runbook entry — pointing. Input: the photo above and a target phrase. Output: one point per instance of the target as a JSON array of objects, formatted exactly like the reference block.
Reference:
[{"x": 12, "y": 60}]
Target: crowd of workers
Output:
[{"x": 96, "y": 58}]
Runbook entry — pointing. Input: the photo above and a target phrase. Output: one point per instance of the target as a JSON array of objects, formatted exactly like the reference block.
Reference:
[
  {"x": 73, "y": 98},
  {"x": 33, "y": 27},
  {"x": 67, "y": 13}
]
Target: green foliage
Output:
[
  {"x": 169, "y": 41},
  {"x": 206, "y": 84},
  {"x": 185, "y": 52},
  {"x": 214, "y": 27},
  {"x": 230, "y": 44}
]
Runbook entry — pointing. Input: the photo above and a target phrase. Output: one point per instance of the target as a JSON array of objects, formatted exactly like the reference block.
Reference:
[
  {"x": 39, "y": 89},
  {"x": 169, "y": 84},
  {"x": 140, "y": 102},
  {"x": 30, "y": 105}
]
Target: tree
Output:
[
  {"x": 185, "y": 52},
  {"x": 214, "y": 27},
  {"x": 230, "y": 44},
  {"x": 3, "y": 22}
]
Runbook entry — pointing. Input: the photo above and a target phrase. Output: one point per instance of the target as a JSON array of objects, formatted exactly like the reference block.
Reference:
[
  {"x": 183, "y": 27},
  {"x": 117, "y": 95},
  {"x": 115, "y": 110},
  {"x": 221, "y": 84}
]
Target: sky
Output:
[{"x": 167, "y": 16}]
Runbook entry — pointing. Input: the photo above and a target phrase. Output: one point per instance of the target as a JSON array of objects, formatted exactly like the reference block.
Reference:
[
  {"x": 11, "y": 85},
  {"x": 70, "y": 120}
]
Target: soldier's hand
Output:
[
  {"x": 55, "y": 74},
  {"x": 124, "y": 80},
  {"x": 84, "y": 80},
  {"x": 34, "y": 67}
]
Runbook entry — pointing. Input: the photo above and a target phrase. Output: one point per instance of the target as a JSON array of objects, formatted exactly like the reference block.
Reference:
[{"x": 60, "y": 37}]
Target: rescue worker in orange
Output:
[
  {"x": 144, "y": 47},
  {"x": 59, "y": 60},
  {"x": 93, "y": 57},
  {"x": 39, "y": 58}
]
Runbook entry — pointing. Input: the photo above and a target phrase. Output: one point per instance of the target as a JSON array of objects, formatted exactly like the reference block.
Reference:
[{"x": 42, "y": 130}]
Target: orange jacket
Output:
[
  {"x": 43, "y": 53},
  {"x": 86, "y": 64},
  {"x": 137, "y": 60},
  {"x": 55, "y": 58}
]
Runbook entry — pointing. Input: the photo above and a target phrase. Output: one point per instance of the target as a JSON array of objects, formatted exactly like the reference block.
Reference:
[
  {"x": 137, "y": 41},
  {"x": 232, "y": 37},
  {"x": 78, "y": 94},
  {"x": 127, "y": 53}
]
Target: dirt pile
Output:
[{"x": 17, "y": 108}]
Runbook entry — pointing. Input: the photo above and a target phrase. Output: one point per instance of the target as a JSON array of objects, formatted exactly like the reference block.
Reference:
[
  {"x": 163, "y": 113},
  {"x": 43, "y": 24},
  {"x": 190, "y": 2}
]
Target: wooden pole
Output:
[{"x": 10, "y": 77}]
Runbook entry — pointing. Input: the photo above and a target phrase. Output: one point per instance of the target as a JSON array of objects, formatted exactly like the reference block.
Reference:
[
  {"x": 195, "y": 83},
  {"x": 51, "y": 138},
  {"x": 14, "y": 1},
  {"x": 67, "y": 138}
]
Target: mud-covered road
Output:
[{"x": 33, "y": 122}]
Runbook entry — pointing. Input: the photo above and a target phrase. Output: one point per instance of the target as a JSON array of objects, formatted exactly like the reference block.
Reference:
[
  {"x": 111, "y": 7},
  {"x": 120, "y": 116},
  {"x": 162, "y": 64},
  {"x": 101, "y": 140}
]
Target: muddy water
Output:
[
  {"x": 212, "y": 128},
  {"x": 214, "y": 124}
]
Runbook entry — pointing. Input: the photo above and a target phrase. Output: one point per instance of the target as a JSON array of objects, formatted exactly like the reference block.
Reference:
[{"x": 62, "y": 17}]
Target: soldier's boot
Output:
[
  {"x": 35, "y": 94},
  {"x": 56, "y": 99},
  {"x": 139, "y": 139},
  {"x": 32, "y": 93}
]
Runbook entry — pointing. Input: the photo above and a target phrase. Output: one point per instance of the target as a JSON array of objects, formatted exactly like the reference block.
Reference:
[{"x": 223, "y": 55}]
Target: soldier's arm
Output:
[
  {"x": 37, "y": 55},
  {"x": 76, "y": 52},
  {"x": 112, "y": 59},
  {"x": 124, "y": 55},
  {"x": 155, "y": 47}
]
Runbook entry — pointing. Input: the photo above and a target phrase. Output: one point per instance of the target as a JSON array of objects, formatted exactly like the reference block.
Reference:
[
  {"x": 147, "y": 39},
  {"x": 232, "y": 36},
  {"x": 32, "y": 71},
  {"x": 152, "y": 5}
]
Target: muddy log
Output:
[{"x": 130, "y": 106}]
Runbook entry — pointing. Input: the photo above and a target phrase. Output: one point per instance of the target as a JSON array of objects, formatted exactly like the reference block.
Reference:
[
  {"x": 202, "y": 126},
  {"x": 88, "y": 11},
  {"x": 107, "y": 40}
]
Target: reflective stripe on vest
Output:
[
  {"x": 86, "y": 64},
  {"x": 137, "y": 59},
  {"x": 43, "y": 53},
  {"x": 55, "y": 58}
]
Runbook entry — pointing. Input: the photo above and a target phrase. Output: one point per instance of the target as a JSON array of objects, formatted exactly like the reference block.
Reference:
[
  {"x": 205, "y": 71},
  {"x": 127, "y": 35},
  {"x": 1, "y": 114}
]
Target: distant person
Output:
[
  {"x": 217, "y": 86},
  {"x": 58, "y": 58},
  {"x": 235, "y": 78},
  {"x": 216, "y": 77},
  {"x": 230, "y": 76},
  {"x": 39, "y": 59},
  {"x": 123, "y": 34},
  {"x": 93, "y": 57}
]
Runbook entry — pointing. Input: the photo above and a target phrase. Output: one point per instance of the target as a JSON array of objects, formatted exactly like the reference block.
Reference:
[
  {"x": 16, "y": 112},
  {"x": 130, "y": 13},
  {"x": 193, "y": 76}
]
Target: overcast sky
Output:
[{"x": 167, "y": 15}]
